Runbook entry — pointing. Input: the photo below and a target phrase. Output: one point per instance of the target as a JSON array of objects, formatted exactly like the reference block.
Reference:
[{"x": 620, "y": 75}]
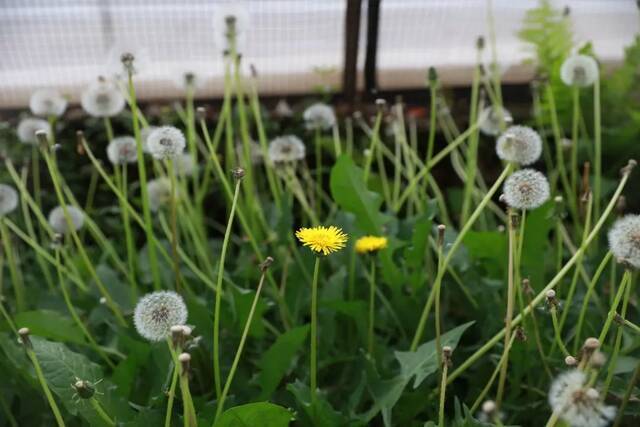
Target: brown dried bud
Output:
[
  {"x": 238, "y": 173},
  {"x": 264, "y": 265},
  {"x": 441, "y": 229}
]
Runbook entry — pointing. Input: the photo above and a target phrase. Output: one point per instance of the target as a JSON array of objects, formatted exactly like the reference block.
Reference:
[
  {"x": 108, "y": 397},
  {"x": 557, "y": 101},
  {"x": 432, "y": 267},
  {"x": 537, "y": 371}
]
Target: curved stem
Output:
[{"x": 101, "y": 412}]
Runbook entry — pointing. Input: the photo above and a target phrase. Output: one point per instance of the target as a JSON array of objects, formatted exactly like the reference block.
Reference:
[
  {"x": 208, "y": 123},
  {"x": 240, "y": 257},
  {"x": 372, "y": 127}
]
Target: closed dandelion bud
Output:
[
  {"x": 286, "y": 149},
  {"x": 550, "y": 296},
  {"x": 43, "y": 139},
  {"x": 319, "y": 117},
  {"x": 579, "y": 70},
  {"x": 102, "y": 99},
  {"x": 166, "y": 142},
  {"x": 201, "y": 113},
  {"x": 157, "y": 312},
  {"x": 446, "y": 355},
  {"x": 122, "y": 150},
  {"x": 526, "y": 287},
  {"x": 519, "y": 144},
  {"x": 238, "y": 173},
  {"x": 433, "y": 75},
  {"x": 624, "y": 240},
  {"x": 58, "y": 220},
  {"x": 629, "y": 167},
  {"x": 47, "y": 103},
  {"x": 480, "y": 43},
  {"x": 570, "y": 361},
  {"x": 264, "y": 265},
  {"x": 489, "y": 407},
  {"x": 598, "y": 359},
  {"x": 380, "y": 104},
  {"x": 8, "y": 199},
  {"x": 24, "y": 339},
  {"x": 177, "y": 336},
  {"x": 441, "y": 229},
  {"x": 28, "y": 127},
  {"x": 492, "y": 118},
  {"x": 84, "y": 389},
  {"x": 526, "y": 189},
  {"x": 159, "y": 191},
  {"x": 185, "y": 360},
  {"x": 186, "y": 331}
]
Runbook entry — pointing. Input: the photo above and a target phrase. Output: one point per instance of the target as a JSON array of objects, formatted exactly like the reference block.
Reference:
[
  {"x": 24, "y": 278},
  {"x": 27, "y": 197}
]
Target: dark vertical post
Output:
[
  {"x": 373, "y": 19},
  {"x": 351, "y": 39}
]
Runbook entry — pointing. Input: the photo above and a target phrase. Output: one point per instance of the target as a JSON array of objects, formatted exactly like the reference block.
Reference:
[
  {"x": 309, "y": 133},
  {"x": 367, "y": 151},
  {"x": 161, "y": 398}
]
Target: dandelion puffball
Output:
[
  {"x": 288, "y": 148},
  {"x": 58, "y": 221},
  {"x": 28, "y": 127},
  {"x": 578, "y": 404},
  {"x": 122, "y": 150},
  {"x": 47, "y": 103},
  {"x": 490, "y": 123},
  {"x": 157, "y": 312},
  {"x": 579, "y": 70},
  {"x": 159, "y": 191},
  {"x": 166, "y": 142},
  {"x": 624, "y": 240},
  {"x": 102, "y": 99},
  {"x": 526, "y": 189},
  {"x": 519, "y": 144},
  {"x": 8, "y": 199},
  {"x": 319, "y": 116}
]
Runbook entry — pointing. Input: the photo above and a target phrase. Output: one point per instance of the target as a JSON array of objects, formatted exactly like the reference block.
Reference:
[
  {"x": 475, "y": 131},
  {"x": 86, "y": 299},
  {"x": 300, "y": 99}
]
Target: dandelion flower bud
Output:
[
  {"x": 185, "y": 360},
  {"x": 102, "y": 99},
  {"x": 8, "y": 199},
  {"x": 58, "y": 220},
  {"x": 319, "y": 116},
  {"x": 570, "y": 361},
  {"x": 166, "y": 142},
  {"x": 577, "y": 404},
  {"x": 579, "y": 70},
  {"x": 288, "y": 148},
  {"x": 624, "y": 240},
  {"x": 28, "y": 127},
  {"x": 24, "y": 337},
  {"x": 122, "y": 150},
  {"x": 159, "y": 191},
  {"x": 489, "y": 407},
  {"x": 490, "y": 123},
  {"x": 592, "y": 344},
  {"x": 157, "y": 312},
  {"x": 47, "y": 102},
  {"x": 526, "y": 189},
  {"x": 519, "y": 144}
]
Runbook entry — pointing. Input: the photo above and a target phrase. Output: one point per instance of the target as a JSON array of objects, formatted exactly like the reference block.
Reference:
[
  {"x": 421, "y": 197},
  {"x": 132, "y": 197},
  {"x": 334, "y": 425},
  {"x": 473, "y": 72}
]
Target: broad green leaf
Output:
[
  {"x": 50, "y": 324},
  {"x": 322, "y": 414},
  {"x": 263, "y": 414},
  {"x": 277, "y": 360}
]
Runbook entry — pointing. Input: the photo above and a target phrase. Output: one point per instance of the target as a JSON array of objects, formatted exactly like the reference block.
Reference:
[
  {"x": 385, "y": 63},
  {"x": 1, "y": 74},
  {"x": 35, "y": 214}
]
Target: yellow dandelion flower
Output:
[
  {"x": 368, "y": 244},
  {"x": 322, "y": 239}
]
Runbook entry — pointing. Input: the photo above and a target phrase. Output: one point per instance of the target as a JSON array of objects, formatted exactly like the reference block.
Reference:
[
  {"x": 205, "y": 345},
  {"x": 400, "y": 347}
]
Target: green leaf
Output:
[
  {"x": 277, "y": 360},
  {"x": 50, "y": 324},
  {"x": 243, "y": 298},
  {"x": 322, "y": 415},
  {"x": 263, "y": 414}
]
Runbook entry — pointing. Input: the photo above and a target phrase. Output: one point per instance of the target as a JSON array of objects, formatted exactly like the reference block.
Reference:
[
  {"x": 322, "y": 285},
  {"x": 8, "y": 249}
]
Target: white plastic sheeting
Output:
[{"x": 295, "y": 45}]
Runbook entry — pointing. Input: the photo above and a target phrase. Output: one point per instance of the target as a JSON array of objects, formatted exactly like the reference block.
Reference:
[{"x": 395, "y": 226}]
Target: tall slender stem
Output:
[
  {"x": 314, "y": 334},
  {"x": 14, "y": 271},
  {"x": 43, "y": 383},
  {"x": 597, "y": 140},
  {"x": 372, "y": 301}
]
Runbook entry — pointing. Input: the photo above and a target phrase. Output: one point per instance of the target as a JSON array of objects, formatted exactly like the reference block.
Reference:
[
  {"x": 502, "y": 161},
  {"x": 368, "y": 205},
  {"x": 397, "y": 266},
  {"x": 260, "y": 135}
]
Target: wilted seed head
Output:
[
  {"x": 157, "y": 312},
  {"x": 319, "y": 116},
  {"x": 166, "y": 142},
  {"x": 47, "y": 102},
  {"x": 526, "y": 189},
  {"x": 8, "y": 199},
  {"x": 264, "y": 265},
  {"x": 28, "y": 127},
  {"x": 122, "y": 150},
  {"x": 58, "y": 220},
  {"x": 579, "y": 70},
  {"x": 102, "y": 99},
  {"x": 288, "y": 148},
  {"x": 490, "y": 122},
  {"x": 159, "y": 191},
  {"x": 519, "y": 144},
  {"x": 624, "y": 240}
]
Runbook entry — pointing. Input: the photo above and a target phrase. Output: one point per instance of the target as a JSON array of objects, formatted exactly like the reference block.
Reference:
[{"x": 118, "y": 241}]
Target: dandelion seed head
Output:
[
  {"x": 519, "y": 144},
  {"x": 159, "y": 191},
  {"x": 283, "y": 109},
  {"x": 58, "y": 221},
  {"x": 577, "y": 404},
  {"x": 166, "y": 142},
  {"x": 319, "y": 116},
  {"x": 490, "y": 123},
  {"x": 526, "y": 189},
  {"x": 8, "y": 199},
  {"x": 102, "y": 98},
  {"x": 287, "y": 148},
  {"x": 144, "y": 137},
  {"x": 324, "y": 240},
  {"x": 47, "y": 102},
  {"x": 367, "y": 244},
  {"x": 28, "y": 127},
  {"x": 624, "y": 240},
  {"x": 122, "y": 150},
  {"x": 579, "y": 70},
  {"x": 157, "y": 312}
]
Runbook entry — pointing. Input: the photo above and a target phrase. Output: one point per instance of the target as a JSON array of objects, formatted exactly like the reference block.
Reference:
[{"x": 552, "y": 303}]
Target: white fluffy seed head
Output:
[
  {"x": 166, "y": 142},
  {"x": 122, "y": 150},
  {"x": 47, "y": 102},
  {"x": 490, "y": 123},
  {"x": 526, "y": 189},
  {"x": 579, "y": 70},
  {"x": 157, "y": 312},
  {"x": 519, "y": 144},
  {"x": 578, "y": 405},
  {"x": 185, "y": 164},
  {"x": 288, "y": 148},
  {"x": 58, "y": 221},
  {"x": 102, "y": 98},
  {"x": 8, "y": 199},
  {"x": 159, "y": 191},
  {"x": 28, "y": 127},
  {"x": 624, "y": 240},
  {"x": 319, "y": 116}
]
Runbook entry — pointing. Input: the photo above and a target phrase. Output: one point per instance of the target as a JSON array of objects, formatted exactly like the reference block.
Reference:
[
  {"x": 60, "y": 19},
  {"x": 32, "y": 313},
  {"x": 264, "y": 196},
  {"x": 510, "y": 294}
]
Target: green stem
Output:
[
  {"x": 372, "y": 301},
  {"x": 557, "y": 334},
  {"x": 101, "y": 412},
  {"x": 443, "y": 391},
  {"x": 375, "y": 140},
  {"x": 597, "y": 139},
  {"x": 626, "y": 281},
  {"x": 174, "y": 223},
  {"x": 618, "y": 341},
  {"x": 14, "y": 271},
  {"x": 627, "y": 395},
  {"x": 172, "y": 387},
  {"x": 574, "y": 140},
  {"x": 43, "y": 383},
  {"x": 314, "y": 334}
]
